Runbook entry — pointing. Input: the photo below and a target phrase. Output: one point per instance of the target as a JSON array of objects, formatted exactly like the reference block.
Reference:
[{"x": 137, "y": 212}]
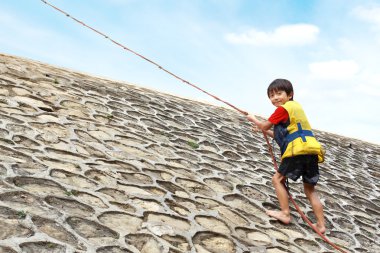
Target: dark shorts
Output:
[{"x": 302, "y": 165}]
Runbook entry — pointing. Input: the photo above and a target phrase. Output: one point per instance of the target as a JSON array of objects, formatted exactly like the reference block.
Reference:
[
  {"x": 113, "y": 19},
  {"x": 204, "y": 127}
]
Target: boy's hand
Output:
[
  {"x": 255, "y": 128},
  {"x": 260, "y": 126},
  {"x": 251, "y": 117}
]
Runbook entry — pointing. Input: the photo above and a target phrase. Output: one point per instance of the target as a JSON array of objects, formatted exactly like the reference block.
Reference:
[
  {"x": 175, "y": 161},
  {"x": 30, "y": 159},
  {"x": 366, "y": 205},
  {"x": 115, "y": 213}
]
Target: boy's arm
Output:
[{"x": 263, "y": 125}]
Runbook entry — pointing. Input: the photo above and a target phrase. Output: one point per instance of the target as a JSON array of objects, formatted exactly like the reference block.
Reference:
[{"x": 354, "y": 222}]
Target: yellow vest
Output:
[{"x": 295, "y": 136}]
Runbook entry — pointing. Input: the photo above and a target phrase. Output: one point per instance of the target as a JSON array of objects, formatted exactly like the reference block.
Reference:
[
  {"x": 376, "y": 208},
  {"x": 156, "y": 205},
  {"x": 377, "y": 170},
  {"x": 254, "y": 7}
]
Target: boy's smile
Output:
[{"x": 279, "y": 97}]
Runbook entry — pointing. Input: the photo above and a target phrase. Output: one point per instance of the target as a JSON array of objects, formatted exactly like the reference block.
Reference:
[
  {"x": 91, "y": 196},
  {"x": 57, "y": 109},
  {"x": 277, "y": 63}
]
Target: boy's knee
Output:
[{"x": 276, "y": 179}]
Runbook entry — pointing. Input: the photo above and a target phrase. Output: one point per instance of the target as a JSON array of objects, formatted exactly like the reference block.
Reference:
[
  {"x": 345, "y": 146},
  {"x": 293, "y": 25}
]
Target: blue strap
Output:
[{"x": 299, "y": 133}]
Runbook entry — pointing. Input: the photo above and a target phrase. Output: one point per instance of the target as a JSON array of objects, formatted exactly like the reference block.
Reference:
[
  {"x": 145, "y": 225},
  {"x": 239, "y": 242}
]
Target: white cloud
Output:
[
  {"x": 369, "y": 90},
  {"x": 369, "y": 14},
  {"x": 285, "y": 35},
  {"x": 337, "y": 70},
  {"x": 369, "y": 86}
]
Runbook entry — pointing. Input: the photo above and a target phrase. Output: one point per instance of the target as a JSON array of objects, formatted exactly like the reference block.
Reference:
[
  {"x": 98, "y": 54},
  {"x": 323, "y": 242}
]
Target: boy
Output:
[{"x": 300, "y": 151}]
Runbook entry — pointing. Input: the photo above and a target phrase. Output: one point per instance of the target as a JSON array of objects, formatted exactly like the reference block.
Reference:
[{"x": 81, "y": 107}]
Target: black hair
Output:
[{"x": 281, "y": 85}]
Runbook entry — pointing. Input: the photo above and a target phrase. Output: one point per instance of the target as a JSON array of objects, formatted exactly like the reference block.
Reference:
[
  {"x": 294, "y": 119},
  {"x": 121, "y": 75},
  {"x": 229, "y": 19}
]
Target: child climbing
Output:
[{"x": 300, "y": 151}]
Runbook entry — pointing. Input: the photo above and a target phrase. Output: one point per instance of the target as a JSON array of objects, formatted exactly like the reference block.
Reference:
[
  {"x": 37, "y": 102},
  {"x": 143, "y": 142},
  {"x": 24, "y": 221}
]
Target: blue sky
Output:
[{"x": 328, "y": 49}]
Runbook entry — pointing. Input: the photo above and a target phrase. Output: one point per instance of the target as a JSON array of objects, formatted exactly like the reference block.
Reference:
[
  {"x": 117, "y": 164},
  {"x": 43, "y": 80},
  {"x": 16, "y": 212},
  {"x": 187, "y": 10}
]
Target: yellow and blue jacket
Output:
[{"x": 295, "y": 136}]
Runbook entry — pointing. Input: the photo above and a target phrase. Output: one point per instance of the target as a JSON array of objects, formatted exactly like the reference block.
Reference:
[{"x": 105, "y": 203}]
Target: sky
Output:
[{"x": 328, "y": 49}]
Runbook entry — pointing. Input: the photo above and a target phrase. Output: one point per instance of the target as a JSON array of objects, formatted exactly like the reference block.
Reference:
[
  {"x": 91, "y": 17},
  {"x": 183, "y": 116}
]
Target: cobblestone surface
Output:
[{"x": 93, "y": 165}]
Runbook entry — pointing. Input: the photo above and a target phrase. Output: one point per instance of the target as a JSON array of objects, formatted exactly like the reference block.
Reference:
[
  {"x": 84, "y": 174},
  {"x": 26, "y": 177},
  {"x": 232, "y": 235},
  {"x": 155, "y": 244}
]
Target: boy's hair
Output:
[{"x": 281, "y": 85}]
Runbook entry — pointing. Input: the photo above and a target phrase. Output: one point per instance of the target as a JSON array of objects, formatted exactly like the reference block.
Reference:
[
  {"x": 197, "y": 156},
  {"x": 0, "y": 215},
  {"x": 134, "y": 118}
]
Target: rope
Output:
[
  {"x": 215, "y": 97},
  {"x": 143, "y": 57}
]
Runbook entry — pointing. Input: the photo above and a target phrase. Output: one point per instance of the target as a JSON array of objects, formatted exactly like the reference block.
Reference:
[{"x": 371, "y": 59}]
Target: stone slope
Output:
[{"x": 93, "y": 165}]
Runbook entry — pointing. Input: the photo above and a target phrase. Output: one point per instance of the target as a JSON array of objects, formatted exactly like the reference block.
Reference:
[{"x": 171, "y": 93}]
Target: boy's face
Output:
[{"x": 279, "y": 97}]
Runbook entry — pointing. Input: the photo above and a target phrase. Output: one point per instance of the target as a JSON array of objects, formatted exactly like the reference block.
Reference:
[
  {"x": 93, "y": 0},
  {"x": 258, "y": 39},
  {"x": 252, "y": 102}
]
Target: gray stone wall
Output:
[{"x": 93, "y": 165}]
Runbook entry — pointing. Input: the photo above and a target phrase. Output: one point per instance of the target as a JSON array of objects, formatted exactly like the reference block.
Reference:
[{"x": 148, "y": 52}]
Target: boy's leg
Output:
[
  {"x": 282, "y": 196},
  {"x": 316, "y": 205}
]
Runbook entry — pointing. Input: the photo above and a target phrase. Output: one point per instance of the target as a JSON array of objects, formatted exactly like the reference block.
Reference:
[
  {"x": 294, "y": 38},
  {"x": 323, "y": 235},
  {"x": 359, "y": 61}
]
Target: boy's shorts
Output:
[{"x": 302, "y": 165}]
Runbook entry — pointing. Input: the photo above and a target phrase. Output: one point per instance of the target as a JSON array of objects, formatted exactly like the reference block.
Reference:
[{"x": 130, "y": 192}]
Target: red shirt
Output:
[{"x": 280, "y": 115}]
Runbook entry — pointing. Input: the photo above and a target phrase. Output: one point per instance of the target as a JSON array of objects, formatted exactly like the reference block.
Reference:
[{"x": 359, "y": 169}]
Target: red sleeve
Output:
[{"x": 280, "y": 115}]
